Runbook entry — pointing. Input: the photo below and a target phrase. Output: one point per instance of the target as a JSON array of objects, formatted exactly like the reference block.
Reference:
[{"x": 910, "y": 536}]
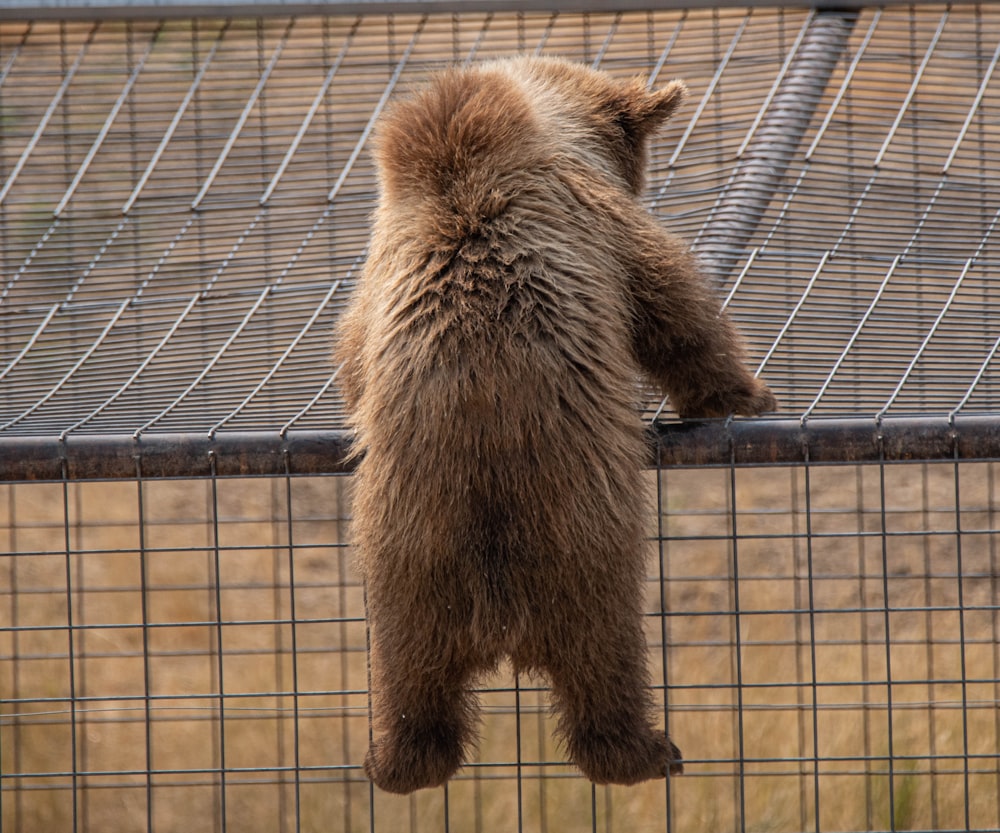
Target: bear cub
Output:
[{"x": 515, "y": 290}]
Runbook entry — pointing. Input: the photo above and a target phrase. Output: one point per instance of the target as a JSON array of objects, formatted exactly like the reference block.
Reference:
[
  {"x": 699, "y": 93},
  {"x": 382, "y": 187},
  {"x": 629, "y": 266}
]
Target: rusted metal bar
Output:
[
  {"x": 751, "y": 442},
  {"x": 122, "y": 456},
  {"x": 828, "y": 440}
]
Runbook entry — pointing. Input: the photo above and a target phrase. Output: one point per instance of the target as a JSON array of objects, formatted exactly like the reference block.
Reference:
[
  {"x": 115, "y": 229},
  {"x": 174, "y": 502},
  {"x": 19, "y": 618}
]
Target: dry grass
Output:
[{"x": 806, "y": 707}]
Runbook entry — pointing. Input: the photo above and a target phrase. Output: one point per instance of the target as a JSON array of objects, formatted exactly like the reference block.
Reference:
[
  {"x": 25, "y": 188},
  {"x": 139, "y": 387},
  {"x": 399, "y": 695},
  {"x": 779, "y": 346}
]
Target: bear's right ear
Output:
[{"x": 653, "y": 108}]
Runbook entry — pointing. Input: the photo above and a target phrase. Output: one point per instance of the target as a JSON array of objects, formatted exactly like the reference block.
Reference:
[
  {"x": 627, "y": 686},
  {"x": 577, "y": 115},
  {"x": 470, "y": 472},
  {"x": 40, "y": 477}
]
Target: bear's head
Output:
[
  {"x": 470, "y": 138},
  {"x": 591, "y": 109}
]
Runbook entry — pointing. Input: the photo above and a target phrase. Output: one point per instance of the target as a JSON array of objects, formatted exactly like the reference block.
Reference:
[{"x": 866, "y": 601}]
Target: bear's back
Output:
[{"x": 502, "y": 325}]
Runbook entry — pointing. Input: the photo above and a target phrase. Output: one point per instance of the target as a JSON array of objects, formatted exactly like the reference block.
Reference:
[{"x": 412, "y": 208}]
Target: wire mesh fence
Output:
[
  {"x": 183, "y": 211},
  {"x": 190, "y": 655}
]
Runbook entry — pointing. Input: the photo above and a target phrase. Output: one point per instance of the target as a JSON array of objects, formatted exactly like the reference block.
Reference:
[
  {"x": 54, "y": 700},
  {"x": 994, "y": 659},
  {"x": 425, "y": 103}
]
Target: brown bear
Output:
[{"x": 514, "y": 291}]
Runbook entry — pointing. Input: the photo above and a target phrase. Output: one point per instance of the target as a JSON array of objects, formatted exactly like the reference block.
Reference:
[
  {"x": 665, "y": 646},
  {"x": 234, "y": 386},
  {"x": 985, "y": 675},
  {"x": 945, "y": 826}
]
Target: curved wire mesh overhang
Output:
[{"x": 185, "y": 199}]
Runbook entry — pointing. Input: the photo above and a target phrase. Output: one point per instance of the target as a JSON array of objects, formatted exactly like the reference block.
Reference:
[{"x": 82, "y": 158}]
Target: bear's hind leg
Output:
[
  {"x": 424, "y": 714},
  {"x": 424, "y": 739},
  {"x": 600, "y": 687}
]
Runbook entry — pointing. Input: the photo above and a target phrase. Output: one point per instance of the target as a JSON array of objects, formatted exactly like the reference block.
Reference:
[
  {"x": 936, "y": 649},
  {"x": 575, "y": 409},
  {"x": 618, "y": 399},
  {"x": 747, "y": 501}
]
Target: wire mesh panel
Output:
[
  {"x": 183, "y": 213},
  {"x": 190, "y": 655}
]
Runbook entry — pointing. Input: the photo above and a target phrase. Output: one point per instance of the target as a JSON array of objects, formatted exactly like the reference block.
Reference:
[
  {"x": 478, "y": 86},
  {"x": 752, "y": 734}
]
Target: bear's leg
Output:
[
  {"x": 423, "y": 663},
  {"x": 425, "y": 717},
  {"x": 682, "y": 338},
  {"x": 600, "y": 684}
]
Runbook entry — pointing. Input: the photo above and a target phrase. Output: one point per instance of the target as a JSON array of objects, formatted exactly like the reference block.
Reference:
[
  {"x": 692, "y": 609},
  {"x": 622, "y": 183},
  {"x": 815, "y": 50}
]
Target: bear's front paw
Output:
[
  {"x": 747, "y": 399},
  {"x": 757, "y": 399},
  {"x": 405, "y": 764}
]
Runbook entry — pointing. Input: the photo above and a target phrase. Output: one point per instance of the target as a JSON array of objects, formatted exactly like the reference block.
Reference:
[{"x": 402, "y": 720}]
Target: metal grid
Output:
[
  {"x": 190, "y": 655},
  {"x": 183, "y": 211}
]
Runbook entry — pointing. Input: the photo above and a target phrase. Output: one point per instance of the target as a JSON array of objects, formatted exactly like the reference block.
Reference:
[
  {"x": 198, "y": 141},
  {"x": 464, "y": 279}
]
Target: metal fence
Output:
[{"x": 183, "y": 210}]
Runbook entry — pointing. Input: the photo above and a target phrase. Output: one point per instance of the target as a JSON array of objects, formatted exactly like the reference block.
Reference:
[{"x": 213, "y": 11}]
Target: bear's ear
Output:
[
  {"x": 639, "y": 112},
  {"x": 649, "y": 109}
]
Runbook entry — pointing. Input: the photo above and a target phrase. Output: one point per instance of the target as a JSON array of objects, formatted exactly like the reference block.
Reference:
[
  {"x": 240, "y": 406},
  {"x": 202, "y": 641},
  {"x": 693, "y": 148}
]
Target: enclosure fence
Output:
[{"x": 184, "y": 203}]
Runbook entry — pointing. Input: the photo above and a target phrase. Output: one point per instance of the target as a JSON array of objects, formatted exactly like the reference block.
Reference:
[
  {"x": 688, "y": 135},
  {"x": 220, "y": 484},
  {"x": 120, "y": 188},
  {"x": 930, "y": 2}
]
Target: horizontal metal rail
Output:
[{"x": 752, "y": 442}]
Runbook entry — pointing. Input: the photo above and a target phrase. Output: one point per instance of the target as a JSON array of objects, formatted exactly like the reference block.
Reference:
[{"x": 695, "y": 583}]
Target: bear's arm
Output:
[{"x": 682, "y": 338}]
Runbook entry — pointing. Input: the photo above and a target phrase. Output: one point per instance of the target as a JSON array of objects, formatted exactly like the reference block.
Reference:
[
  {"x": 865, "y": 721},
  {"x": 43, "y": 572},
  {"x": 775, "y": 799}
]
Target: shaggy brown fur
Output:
[{"x": 514, "y": 290}]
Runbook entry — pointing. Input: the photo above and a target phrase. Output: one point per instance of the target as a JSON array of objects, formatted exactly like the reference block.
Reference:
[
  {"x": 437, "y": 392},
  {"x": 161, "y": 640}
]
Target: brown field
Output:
[{"x": 216, "y": 669}]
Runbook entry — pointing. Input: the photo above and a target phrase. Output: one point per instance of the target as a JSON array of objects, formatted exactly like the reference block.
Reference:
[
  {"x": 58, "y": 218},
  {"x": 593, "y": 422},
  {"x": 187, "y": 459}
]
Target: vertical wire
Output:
[
  {"x": 929, "y": 641},
  {"x": 811, "y": 595},
  {"x": 795, "y": 512},
  {"x": 17, "y": 733},
  {"x": 887, "y": 631},
  {"x": 737, "y": 640},
  {"x": 860, "y": 511},
  {"x": 144, "y": 612},
  {"x": 519, "y": 770},
  {"x": 293, "y": 618},
  {"x": 280, "y": 653},
  {"x": 340, "y": 509},
  {"x": 71, "y": 648},
  {"x": 994, "y": 562},
  {"x": 219, "y": 646},
  {"x": 477, "y": 789},
  {"x": 661, "y": 544},
  {"x": 661, "y": 498},
  {"x": 368, "y": 672},
  {"x": 542, "y": 736},
  {"x": 960, "y": 580}
]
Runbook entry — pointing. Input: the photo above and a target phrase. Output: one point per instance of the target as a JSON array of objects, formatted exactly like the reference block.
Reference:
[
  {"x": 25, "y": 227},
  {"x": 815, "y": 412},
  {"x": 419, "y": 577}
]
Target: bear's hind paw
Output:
[
  {"x": 642, "y": 759},
  {"x": 675, "y": 762},
  {"x": 405, "y": 767}
]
